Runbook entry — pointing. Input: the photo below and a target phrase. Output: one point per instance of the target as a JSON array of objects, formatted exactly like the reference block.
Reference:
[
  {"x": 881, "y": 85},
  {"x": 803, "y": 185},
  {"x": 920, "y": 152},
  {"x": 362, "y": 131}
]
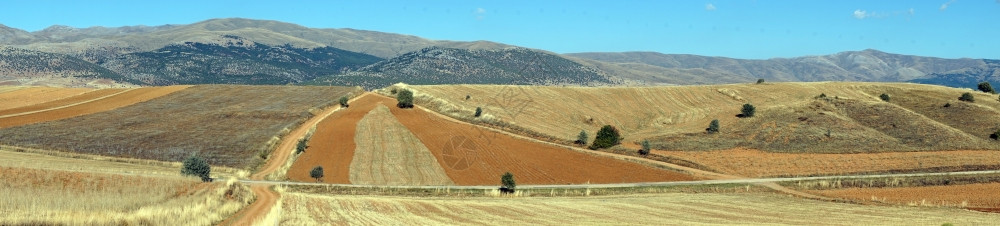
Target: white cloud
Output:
[
  {"x": 480, "y": 10},
  {"x": 480, "y": 13},
  {"x": 711, "y": 7},
  {"x": 945, "y": 5},
  {"x": 911, "y": 10},
  {"x": 861, "y": 14}
]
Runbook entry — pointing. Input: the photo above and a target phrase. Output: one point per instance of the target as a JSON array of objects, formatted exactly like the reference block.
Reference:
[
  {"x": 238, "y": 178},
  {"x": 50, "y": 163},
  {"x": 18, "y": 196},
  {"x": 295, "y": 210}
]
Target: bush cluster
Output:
[{"x": 607, "y": 137}]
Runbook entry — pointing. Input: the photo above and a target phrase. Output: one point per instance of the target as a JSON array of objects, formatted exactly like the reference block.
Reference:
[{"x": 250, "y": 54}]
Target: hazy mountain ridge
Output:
[{"x": 21, "y": 66}]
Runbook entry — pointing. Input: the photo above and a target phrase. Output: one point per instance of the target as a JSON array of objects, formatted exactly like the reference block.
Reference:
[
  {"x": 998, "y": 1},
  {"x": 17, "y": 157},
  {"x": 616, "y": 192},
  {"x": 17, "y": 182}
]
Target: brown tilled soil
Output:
[
  {"x": 974, "y": 196},
  {"x": 36, "y": 95},
  {"x": 755, "y": 163},
  {"x": 88, "y": 96},
  {"x": 475, "y": 156},
  {"x": 332, "y": 145},
  {"x": 123, "y": 99},
  {"x": 388, "y": 153}
]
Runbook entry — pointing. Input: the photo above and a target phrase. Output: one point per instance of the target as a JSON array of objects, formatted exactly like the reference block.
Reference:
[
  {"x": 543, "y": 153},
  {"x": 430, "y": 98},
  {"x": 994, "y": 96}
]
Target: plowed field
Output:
[
  {"x": 755, "y": 163},
  {"x": 36, "y": 95},
  {"x": 120, "y": 100},
  {"x": 388, "y": 154},
  {"x": 332, "y": 145},
  {"x": 78, "y": 99}
]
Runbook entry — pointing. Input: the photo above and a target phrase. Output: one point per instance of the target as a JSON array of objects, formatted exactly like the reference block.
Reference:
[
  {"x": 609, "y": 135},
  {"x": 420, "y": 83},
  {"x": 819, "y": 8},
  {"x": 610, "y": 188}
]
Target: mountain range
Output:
[{"x": 246, "y": 51}]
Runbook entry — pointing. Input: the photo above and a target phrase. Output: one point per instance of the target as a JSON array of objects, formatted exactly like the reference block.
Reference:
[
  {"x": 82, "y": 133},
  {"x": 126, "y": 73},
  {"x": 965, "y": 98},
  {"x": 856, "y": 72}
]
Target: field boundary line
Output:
[{"x": 66, "y": 106}]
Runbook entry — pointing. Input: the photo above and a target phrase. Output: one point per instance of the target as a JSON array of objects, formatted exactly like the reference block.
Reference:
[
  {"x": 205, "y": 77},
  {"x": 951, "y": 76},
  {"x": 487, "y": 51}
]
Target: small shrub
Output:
[
  {"x": 995, "y": 135},
  {"x": 748, "y": 111},
  {"x": 343, "y": 101},
  {"x": 986, "y": 87},
  {"x": 393, "y": 91},
  {"x": 947, "y": 105},
  {"x": 884, "y": 97},
  {"x": 760, "y": 80},
  {"x": 467, "y": 97},
  {"x": 607, "y": 137},
  {"x": 317, "y": 173},
  {"x": 645, "y": 148},
  {"x": 508, "y": 183},
  {"x": 581, "y": 138},
  {"x": 301, "y": 147},
  {"x": 967, "y": 97},
  {"x": 479, "y": 111},
  {"x": 405, "y": 99},
  {"x": 196, "y": 166},
  {"x": 822, "y": 95},
  {"x": 713, "y": 127}
]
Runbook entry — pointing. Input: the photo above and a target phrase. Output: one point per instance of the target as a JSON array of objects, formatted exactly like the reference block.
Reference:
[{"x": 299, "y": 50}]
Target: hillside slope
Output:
[{"x": 27, "y": 67}]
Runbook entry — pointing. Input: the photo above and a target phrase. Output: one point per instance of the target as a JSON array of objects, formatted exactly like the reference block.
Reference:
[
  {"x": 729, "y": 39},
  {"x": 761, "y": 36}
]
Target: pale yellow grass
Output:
[
  {"x": 20, "y": 157},
  {"x": 10, "y": 88},
  {"x": 387, "y": 153},
  {"x": 35, "y": 95},
  {"x": 33, "y": 196},
  {"x": 653, "y": 209},
  {"x": 639, "y": 112}
]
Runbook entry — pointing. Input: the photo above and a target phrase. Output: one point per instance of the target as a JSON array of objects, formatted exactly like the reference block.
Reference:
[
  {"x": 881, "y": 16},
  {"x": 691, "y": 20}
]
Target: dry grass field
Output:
[
  {"x": 112, "y": 102},
  {"x": 647, "y": 209},
  {"x": 790, "y": 116},
  {"x": 977, "y": 196},
  {"x": 756, "y": 163},
  {"x": 388, "y": 154},
  {"x": 44, "y": 197},
  {"x": 26, "y": 96},
  {"x": 228, "y": 125}
]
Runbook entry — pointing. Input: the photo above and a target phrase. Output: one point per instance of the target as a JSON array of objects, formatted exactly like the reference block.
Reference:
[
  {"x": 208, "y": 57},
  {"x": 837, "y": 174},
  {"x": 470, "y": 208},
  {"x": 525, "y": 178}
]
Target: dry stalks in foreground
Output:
[{"x": 34, "y": 196}]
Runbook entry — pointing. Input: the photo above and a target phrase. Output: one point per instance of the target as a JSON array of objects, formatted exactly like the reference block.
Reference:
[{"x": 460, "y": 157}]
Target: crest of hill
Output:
[
  {"x": 231, "y": 59},
  {"x": 790, "y": 117},
  {"x": 438, "y": 65},
  {"x": 867, "y": 65}
]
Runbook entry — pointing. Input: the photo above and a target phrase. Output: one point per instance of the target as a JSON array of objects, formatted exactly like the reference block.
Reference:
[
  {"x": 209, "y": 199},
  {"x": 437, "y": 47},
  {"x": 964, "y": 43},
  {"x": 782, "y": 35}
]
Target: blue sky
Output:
[{"x": 756, "y": 29}]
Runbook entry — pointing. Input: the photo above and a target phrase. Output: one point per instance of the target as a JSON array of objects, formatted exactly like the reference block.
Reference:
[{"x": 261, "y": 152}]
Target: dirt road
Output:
[{"x": 266, "y": 198}]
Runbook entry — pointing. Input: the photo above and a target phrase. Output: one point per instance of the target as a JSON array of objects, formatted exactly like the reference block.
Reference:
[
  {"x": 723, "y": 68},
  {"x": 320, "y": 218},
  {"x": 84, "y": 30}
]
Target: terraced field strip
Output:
[
  {"x": 332, "y": 145},
  {"x": 654, "y": 209},
  {"x": 62, "y": 103},
  {"x": 980, "y": 196},
  {"x": 389, "y": 154},
  {"x": 477, "y": 156},
  {"x": 36, "y": 95},
  {"x": 119, "y": 100},
  {"x": 755, "y": 163}
]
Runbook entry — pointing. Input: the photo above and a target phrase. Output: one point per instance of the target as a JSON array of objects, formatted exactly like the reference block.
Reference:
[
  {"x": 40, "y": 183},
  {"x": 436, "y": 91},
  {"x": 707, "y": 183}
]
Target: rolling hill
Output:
[
  {"x": 27, "y": 67},
  {"x": 436, "y": 65}
]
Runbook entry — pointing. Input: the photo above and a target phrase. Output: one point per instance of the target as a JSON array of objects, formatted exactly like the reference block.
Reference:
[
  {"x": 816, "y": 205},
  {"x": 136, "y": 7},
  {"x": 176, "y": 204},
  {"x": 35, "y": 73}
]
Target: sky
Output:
[{"x": 751, "y": 29}]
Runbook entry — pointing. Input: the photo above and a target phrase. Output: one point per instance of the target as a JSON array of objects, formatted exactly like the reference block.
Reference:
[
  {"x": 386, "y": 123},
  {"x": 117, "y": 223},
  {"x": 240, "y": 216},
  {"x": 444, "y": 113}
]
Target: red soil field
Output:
[
  {"x": 62, "y": 102},
  {"x": 332, "y": 145},
  {"x": 476, "y": 156},
  {"x": 974, "y": 196},
  {"x": 36, "y": 95},
  {"x": 120, "y": 100}
]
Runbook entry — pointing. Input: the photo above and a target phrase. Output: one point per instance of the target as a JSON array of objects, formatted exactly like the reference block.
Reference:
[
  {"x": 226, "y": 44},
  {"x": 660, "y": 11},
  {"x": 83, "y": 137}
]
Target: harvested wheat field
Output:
[
  {"x": 332, "y": 145},
  {"x": 103, "y": 104},
  {"x": 61, "y": 103},
  {"x": 227, "y": 125},
  {"x": 756, "y": 163},
  {"x": 791, "y": 117},
  {"x": 654, "y": 209},
  {"x": 36, "y": 95},
  {"x": 976, "y": 196},
  {"x": 388, "y": 154},
  {"x": 55, "y": 197}
]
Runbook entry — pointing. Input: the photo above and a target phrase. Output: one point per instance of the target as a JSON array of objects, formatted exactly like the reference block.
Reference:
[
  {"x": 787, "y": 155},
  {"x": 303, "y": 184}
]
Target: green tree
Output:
[
  {"x": 884, "y": 97},
  {"x": 967, "y": 97},
  {"x": 986, "y": 87},
  {"x": 479, "y": 111},
  {"x": 995, "y": 135},
  {"x": 713, "y": 127},
  {"x": 582, "y": 137},
  {"x": 508, "y": 181},
  {"x": 301, "y": 146},
  {"x": 343, "y": 101},
  {"x": 760, "y": 80},
  {"x": 748, "y": 111},
  {"x": 607, "y": 137},
  {"x": 196, "y": 166},
  {"x": 645, "y": 148},
  {"x": 317, "y": 173},
  {"x": 405, "y": 99}
]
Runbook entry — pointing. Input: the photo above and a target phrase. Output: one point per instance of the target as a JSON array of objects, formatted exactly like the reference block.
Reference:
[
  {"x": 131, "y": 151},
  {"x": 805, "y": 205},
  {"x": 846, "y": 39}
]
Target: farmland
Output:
[
  {"x": 26, "y": 96},
  {"x": 980, "y": 196},
  {"x": 227, "y": 125},
  {"x": 101, "y": 104},
  {"x": 668, "y": 208},
  {"x": 84, "y": 97},
  {"x": 388, "y": 154}
]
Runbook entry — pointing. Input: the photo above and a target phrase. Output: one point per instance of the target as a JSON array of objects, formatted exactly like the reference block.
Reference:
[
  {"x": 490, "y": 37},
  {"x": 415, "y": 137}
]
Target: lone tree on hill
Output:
[
  {"x": 343, "y": 102},
  {"x": 196, "y": 166},
  {"x": 317, "y": 173},
  {"x": 479, "y": 111},
  {"x": 967, "y": 97},
  {"x": 713, "y": 127},
  {"x": 748, "y": 111},
  {"x": 508, "y": 183},
  {"x": 884, "y": 97},
  {"x": 986, "y": 87},
  {"x": 760, "y": 80},
  {"x": 607, "y": 137},
  {"x": 405, "y": 99},
  {"x": 645, "y": 148},
  {"x": 581, "y": 138}
]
